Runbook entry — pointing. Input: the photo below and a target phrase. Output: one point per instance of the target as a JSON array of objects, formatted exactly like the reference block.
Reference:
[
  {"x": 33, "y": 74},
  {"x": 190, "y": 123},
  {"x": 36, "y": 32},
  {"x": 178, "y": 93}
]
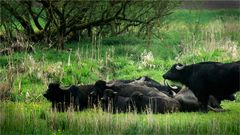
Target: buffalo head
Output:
[
  {"x": 52, "y": 92},
  {"x": 175, "y": 73}
]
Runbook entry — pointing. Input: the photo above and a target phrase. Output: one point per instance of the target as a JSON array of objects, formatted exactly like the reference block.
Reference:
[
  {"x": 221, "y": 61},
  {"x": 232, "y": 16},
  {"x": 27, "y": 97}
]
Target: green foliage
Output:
[
  {"x": 81, "y": 19},
  {"x": 83, "y": 74},
  {"x": 121, "y": 40},
  {"x": 3, "y": 62}
]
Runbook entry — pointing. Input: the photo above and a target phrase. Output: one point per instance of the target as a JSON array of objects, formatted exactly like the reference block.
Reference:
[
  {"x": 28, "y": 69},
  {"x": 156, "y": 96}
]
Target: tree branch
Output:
[{"x": 25, "y": 23}]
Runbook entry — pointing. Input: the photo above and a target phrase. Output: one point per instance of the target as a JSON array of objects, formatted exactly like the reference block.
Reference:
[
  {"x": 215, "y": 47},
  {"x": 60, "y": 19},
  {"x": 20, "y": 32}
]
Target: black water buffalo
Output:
[
  {"x": 127, "y": 90},
  {"x": 124, "y": 89},
  {"x": 147, "y": 81},
  {"x": 112, "y": 102},
  {"x": 207, "y": 78},
  {"x": 187, "y": 99},
  {"x": 73, "y": 96},
  {"x": 154, "y": 104},
  {"x": 98, "y": 90},
  {"x": 189, "y": 102}
]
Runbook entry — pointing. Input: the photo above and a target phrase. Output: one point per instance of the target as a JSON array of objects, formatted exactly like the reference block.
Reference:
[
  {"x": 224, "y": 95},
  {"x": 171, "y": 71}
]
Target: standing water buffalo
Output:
[{"x": 207, "y": 78}]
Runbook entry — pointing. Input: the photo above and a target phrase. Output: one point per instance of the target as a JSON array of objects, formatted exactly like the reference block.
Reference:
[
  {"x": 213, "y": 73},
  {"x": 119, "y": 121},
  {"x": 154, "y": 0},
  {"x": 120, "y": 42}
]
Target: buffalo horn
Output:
[
  {"x": 179, "y": 67},
  {"x": 166, "y": 84}
]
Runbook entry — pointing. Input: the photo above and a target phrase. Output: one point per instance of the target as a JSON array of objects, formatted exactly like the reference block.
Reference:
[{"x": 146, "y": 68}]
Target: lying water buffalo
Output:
[
  {"x": 187, "y": 99},
  {"x": 207, "y": 78},
  {"x": 189, "y": 102},
  {"x": 147, "y": 81},
  {"x": 73, "y": 96},
  {"x": 112, "y": 102},
  {"x": 159, "y": 101},
  {"x": 125, "y": 89},
  {"x": 154, "y": 104}
]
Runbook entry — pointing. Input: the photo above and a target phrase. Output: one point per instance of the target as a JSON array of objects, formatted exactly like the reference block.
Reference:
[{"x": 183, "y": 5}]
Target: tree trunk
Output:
[{"x": 62, "y": 31}]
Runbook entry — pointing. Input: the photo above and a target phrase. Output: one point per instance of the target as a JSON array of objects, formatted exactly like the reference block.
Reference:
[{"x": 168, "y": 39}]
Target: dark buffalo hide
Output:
[
  {"x": 187, "y": 99},
  {"x": 207, "y": 78},
  {"x": 73, "y": 96},
  {"x": 98, "y": 90},
  {"x": 124, "y": 89},
  {"x": 189, "y": 102},
  {"x": 112, "y": 102},
  {"x": 149, "y": 82},
  {"x": 128, "y": 90},
  {"x": 154, "y": 104},
  {"x": 144, "y": 97}
]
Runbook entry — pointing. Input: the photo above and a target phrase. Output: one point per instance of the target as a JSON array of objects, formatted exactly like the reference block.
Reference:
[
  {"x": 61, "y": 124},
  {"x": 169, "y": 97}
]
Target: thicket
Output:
[{"x": 60, "y": 21}]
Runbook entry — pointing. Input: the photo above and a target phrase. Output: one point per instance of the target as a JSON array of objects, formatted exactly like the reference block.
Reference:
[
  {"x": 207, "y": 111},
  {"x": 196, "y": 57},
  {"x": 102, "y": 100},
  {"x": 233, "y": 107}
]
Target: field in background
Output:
[{"x": 188, "y": 36}]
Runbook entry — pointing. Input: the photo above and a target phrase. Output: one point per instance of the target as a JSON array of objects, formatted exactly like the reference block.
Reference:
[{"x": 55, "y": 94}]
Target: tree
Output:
[{"x": 62, "y": 19}]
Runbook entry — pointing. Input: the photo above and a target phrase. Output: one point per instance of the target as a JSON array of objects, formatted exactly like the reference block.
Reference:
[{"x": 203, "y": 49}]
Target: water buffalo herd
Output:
[{"x": 206, "y": 84}]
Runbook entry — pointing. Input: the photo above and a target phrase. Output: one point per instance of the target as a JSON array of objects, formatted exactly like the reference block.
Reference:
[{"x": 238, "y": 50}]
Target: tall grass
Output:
[{"x": 38, "y": 119}]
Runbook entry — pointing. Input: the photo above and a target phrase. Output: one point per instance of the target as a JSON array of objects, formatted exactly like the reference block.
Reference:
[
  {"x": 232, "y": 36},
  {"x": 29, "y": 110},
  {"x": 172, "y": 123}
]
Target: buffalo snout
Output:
[
  {"x": 164, "y": 76},
  {"x": 45, "y": 95}
]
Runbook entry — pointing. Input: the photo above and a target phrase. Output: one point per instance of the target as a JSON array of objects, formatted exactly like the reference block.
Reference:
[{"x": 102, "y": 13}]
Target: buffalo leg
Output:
[{"x": 203, "y": 103}]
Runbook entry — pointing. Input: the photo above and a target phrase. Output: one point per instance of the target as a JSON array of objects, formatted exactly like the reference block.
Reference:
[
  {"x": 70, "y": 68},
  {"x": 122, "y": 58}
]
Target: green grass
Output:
[
  {"x": 187, "y": 37},
  {"x": 203, "y": 16},
  {"x": 36, "y": 118}
]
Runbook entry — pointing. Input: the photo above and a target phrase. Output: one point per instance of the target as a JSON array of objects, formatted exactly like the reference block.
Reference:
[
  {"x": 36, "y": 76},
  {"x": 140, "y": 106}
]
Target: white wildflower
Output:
[{"x": 147, "y": 59}]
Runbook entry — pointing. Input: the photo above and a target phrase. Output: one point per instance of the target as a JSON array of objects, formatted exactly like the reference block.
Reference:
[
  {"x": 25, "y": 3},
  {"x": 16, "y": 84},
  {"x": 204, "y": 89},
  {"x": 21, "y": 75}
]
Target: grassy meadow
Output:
[{"x": 187, "y": 36}]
